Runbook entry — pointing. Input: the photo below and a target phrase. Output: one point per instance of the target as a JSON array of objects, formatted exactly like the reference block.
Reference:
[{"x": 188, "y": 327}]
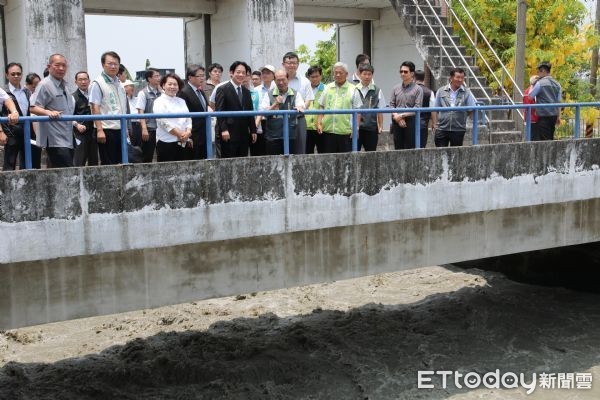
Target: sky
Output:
[{"x": 158, "y": 39}]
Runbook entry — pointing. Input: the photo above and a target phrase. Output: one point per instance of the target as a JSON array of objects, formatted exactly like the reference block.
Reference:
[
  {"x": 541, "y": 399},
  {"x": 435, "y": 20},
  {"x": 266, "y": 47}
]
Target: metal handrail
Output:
[
  {"x": 26, "y": 121},
  {"x": 489, "y": 46},
  {"x": 439, "y": 40}
]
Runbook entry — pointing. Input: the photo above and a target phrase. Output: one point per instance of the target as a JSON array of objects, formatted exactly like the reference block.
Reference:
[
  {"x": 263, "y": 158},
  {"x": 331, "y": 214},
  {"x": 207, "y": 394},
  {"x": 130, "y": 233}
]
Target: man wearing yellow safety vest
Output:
[{"x": 336, "y": 128}]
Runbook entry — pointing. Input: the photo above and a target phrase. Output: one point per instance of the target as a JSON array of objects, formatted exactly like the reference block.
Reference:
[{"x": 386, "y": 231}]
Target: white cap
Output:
[
  {"x": 127, "y": 83},
  {"x": 269, "y": 67}
]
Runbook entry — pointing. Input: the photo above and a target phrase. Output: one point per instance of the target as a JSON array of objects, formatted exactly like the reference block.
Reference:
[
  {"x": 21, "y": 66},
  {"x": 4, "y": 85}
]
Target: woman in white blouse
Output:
[{"x": 173, "y": 135}]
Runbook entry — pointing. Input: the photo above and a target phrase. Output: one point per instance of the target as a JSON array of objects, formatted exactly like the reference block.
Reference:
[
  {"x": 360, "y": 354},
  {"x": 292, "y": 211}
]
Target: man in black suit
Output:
[
  {"x": 235, "y": 133},
  {"x": 195, "y": 99},
  {"x": 85, "y": 135},
  {"x": 15, "y": 146}
]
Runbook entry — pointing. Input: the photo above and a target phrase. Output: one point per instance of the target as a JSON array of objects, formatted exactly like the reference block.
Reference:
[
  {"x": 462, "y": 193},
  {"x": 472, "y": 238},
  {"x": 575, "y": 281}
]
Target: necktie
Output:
[
  {"x": 201, "y": 98},
  {"x": 239, "y": 92}
]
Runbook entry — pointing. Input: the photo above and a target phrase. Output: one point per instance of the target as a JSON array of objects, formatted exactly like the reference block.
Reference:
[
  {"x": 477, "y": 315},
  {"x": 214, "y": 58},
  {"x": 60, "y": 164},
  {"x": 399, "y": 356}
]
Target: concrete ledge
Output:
[
  {"x": 72, "y": 287},
  {"x": 71, "y": 212}
]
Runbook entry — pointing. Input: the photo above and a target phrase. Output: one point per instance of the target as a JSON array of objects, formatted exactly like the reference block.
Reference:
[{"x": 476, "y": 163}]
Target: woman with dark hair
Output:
[
  {"x": 173, "y": 135},
  {"x": 31, "y": 81}
]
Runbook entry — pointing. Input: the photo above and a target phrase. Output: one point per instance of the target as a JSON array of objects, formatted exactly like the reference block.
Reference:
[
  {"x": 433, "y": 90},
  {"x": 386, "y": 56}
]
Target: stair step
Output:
[
  {"x": 431, "y": 40},
  {"x": 426, "y": 30}
]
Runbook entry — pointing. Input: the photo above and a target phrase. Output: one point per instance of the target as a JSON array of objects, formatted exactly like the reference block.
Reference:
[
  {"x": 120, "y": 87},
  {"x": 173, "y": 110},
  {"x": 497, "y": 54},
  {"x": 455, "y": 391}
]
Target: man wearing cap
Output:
[
  {"x": 546, "y": 91},
  {"x": 267, "y": 83},
  {"x": 85, "y": 134},
  {"x": 144, "y": 105}
]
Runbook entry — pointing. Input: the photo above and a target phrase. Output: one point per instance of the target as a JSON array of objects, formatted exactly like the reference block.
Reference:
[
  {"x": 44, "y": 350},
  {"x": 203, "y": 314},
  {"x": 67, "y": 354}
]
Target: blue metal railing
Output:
[{"x": 26, "y": 121}]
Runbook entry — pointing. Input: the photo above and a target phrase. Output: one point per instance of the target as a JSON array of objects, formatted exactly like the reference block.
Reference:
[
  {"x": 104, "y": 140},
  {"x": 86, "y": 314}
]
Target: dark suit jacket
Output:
[
  {"x": 227, "y": 99},
  {"x": 195, "y": 105},
  {"x": 16, "y": 131},
  {"x": 82, "y": 107}
]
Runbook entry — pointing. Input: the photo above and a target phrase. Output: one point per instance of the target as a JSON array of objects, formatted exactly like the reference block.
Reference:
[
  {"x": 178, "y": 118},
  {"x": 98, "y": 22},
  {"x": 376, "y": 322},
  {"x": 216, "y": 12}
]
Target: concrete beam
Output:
[
  {"x": 179, "y": 8},
  {"x": 116, "y": 238},
  {"x": 333, "y": 14}
]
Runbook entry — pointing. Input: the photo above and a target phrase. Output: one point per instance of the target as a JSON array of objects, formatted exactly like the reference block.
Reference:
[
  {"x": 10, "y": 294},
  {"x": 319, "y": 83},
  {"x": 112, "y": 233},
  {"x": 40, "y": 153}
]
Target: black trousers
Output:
[
  {"x": 334, "y": 143},
  {"x": 424, "y": 133},
  {"x": 367, "y": 139},
  {"x": 545, "y": 128},
  {"x": 314, "y": 140},
  {"x": 237, "y": 148},
  {"x": 148, "y": 146},
  {"x": 258, "y": 148},
  {"x": 172, "y": 151},
  {"x": 275, "y": 147},
  {"x": 87, "y": 149},
  {"x": 199, "y": 151},
  {"x": 110, "y": 152},
  {"x": 454, "y": 138},
  {"x": 14, "y": 149},
  {"x": 60, "y": 157},
  {"x": 404, "y": 138}
]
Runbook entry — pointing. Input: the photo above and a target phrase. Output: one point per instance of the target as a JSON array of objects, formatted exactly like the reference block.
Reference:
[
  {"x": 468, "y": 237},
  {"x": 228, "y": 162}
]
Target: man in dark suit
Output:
[
  {"x": 15, "y": 146},
  {"x": 235, "y": 133},
  {"x": 85, "y": 135},
  {"x": 196, "y": 101}
]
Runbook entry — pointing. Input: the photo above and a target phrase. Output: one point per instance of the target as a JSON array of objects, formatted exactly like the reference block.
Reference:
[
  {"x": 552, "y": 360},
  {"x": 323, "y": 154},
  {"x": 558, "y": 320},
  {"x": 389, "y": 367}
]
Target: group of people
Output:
[{"x": 79, "y": 143}]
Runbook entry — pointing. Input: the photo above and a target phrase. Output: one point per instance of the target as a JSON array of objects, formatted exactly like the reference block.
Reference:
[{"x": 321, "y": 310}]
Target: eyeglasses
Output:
[
  {"x": 16, "y": 74},
  {"x": 403, "y": 71},
  {"x": 112, "y": 65},
  {"x": 199, "y": 76},
  {"x": 291, "y": 63}
]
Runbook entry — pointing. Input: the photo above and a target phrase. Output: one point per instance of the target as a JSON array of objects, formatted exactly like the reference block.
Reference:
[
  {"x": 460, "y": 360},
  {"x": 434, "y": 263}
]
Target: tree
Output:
[
  {"x": 325, "y": 53},
  {"x": 555, "y": 32}
]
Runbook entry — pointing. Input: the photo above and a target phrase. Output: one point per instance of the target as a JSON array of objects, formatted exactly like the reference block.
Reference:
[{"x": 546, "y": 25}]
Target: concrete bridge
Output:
[{"x": 87, "y": 241}]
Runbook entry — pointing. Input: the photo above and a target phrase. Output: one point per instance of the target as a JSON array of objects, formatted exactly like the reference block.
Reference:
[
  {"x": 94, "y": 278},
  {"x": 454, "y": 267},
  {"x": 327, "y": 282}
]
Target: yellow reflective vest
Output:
[{"x": 337, "y": 98}]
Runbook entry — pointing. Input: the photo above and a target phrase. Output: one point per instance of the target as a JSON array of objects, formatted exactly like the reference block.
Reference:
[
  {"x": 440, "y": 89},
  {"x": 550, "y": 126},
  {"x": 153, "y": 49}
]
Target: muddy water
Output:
[{"x": 358, "y": 339}]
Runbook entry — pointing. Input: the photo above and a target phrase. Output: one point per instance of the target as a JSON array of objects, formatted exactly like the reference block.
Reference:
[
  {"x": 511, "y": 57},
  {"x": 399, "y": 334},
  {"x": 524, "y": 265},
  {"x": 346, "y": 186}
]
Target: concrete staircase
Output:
[{"x": 500, "y": 128}]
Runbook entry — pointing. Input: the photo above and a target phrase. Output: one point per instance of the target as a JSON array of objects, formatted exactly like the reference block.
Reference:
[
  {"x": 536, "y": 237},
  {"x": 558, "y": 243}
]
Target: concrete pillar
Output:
[
  {"x": 259, "y": 32},
  {"x": 195, "y": 41},
  {"x": 35, "y": 29}
]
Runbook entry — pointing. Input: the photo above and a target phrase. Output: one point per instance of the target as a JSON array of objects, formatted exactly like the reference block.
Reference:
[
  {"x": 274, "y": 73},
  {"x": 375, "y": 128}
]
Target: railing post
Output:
[
  {"x": 208, "y": 134},
  {"x": 27, "y": 139},
  {"x": 124, "y": 154},
  {"x": 286, "y": 134},
  {"x": 528, "y": 111},
  {"x": 354, "y": 132},
  {"x": 418, "y": 130},
  {"x": 475, "y": 126},
  {"x": 577, "y": 121}
]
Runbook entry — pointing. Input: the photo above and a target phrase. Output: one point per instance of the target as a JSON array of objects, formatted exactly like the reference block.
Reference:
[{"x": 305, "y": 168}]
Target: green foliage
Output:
[
  {"x": 325, "y": 53},
  {"x": 555, "y": 32}
]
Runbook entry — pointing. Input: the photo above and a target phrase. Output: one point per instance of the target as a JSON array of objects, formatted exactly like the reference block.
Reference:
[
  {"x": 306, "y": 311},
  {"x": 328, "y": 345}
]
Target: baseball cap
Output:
[
  {"x": 269, "y": 67},
  {"x": 127, "y": 83}
]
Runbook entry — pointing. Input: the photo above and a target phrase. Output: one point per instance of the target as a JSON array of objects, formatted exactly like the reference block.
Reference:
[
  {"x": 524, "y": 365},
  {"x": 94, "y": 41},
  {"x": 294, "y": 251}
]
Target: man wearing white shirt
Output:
[
  {"x": 145, "y": 100},
  {"x": 302, "y": 86},
  {"x": 15, "y": 145}
]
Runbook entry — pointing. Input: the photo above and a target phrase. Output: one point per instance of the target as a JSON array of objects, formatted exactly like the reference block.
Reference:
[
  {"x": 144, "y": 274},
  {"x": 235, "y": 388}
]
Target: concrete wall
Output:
[
  {"x": 240, "y": 33},
  {"x": 194, "y": 41},
  {"x": 110, "y": 239},
  {"x": 38, "y": 28},
  {"x": 392, "y": 45},
  {"x": 350, "y": 43}
]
